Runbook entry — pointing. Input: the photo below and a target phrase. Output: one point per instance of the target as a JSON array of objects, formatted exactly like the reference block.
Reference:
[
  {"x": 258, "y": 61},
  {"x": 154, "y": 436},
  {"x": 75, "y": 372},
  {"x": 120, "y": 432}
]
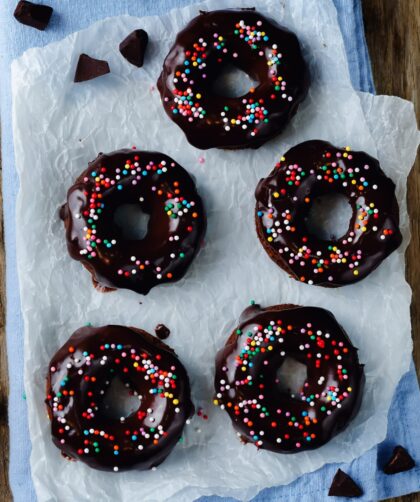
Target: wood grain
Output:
[{"x": 393, "y": 36}]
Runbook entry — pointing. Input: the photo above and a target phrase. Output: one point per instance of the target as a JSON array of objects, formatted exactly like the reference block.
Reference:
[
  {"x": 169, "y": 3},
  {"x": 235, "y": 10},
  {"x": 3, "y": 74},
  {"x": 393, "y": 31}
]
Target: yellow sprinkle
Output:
[
  {"x": 345, "y": 154},
  {"x": 283, "y": 159},
  {"x": 349, "y": 389},
  {"x": 270, "y": 347},
  {"x": 356, "y": 272},
  {"x": 243, "y": 368},
  {"x": 270, "y": 239},
  {"x": 220, "y": 38},
  {"x": 371, "y": 204},
  {"x": 169, "y": 213},
  {"x": 175, "y": 401},
  {"x": 215, "y": 402},
  {"x": 348, "y": 148},
  {"x": 198, "y": 95},
  {"x": 353, "y": 182},
  {"x": 344, "y": 260},
  {"x": 276, "y": 195},
  {"x": 364, "y": 229},
  {"x": 136, "y": 364}
]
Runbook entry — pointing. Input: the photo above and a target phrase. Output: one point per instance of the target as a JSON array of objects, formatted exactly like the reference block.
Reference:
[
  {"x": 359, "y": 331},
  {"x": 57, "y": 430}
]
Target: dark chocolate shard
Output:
[
  {"x": 400, "y": 461},
  {"x": 162, "y": 331},
  {"x": 134, "y": 46},
  {"x": 32, "y": 14},
  {"x": 343, "y": 486},
  {"x": 89, "y": 68}
]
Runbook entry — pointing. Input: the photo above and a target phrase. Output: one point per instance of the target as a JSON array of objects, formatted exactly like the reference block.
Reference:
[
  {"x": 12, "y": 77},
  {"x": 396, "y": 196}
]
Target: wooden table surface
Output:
[{"x": 393, "y": 35}]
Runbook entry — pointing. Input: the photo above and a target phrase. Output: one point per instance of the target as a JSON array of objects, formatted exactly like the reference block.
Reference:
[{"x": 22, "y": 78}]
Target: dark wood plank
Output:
[
  {"x": 393, "y": 35},
  {"x": 392, "y": 32}
]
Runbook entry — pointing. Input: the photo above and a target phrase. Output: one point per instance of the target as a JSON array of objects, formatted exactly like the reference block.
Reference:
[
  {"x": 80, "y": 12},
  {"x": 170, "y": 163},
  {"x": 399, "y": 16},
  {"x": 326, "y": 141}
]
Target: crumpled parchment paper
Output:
[{"x": 60, "y": 126}]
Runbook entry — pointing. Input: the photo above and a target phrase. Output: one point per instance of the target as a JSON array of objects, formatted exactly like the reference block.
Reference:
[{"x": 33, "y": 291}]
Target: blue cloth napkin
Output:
[{"x": 73, "y": 15}]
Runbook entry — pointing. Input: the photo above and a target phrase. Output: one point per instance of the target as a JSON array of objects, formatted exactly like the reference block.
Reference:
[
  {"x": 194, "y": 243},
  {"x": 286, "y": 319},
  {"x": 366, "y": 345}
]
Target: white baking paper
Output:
[{"x": 60, "y": 126}]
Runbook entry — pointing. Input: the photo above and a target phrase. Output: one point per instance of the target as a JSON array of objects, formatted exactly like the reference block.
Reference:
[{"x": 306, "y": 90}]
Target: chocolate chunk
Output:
[
  {"x": 32, "y": 14},
  {"x": 343, "y": 486},
  {"x": 134, "y": 46},
  {"x": 399, "y": 462},
  {"x": 162, "y": 331},
  {"x": 89, "y": 68}
]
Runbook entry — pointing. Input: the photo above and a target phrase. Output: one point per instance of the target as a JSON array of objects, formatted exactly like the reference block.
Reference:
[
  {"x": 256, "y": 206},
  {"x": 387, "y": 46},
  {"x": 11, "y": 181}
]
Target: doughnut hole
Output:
[
  {"x": 291, "y": 376},
  {"x": 119, "y": 401},
  {"x": 132, "y": 221},
  {"x": 329, "y": 216},
  {"x": 232, "y": 82}
]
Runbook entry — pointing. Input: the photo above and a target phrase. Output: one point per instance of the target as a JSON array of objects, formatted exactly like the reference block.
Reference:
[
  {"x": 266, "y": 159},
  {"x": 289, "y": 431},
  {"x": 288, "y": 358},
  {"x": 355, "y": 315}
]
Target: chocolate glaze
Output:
[
  {"x": 284, "y": 200},
  {"x": 175, "y": 230},
  {"x": 256, "y": 401},
  {"x": 83, "y": 369},
  {"x": 202, "y": 112}
]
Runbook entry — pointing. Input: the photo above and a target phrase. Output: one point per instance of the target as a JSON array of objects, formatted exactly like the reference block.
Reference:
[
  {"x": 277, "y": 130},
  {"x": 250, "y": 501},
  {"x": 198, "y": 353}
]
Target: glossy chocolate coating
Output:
[
  {"x": 78, "y": 376},
  {"x": 312, "y": 169},
  {"x": 198, "y": 58},
  {"x": 175, "y": 229},
  {"x": 248, "y": 387}
]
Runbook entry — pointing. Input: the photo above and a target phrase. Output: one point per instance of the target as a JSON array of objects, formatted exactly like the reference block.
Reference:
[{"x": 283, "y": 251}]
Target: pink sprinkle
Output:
[{"x": 201, "y": 160}]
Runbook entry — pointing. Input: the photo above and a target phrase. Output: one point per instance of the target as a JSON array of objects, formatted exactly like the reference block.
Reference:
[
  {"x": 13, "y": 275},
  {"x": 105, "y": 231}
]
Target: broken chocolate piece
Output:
[
  {"x": 162, "y": 331},
  {"x": 89, "y": 68},
  {"x": 399, "y": 462},
  {"x": 32, "y": 14},
  {"x": 134, "y": 46},
  {"x": 343, "y": 486}
]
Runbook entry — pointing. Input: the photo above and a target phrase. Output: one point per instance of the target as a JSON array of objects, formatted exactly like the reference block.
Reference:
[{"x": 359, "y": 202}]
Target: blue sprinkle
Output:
[
  {"x": 134, "y": 438},
  {"x": 175, "y": 110},
  {"x": 119, "y": 346},
  {"x": 119, "y": 187},
  {"x": 186, "y": 63},
  {"x": 93, "y": 173},
  {"x": 187, "y": 71},
  {"x": 260, "y": 213},
  {"x": 116, "y": 452},
  {"x": 86, "y": 433},
  {"x": 125, "y": 171}
]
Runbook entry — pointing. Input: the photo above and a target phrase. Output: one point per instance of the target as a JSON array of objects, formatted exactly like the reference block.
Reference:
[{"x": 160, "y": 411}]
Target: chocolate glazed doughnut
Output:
[
  {"x": 251, "y": 42},
  {"x": 248, "y": 386},
  {"x": 79, "y": 375},
  {"x": 312, "y": 169},
  {"x": 163, "y": 190}
]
